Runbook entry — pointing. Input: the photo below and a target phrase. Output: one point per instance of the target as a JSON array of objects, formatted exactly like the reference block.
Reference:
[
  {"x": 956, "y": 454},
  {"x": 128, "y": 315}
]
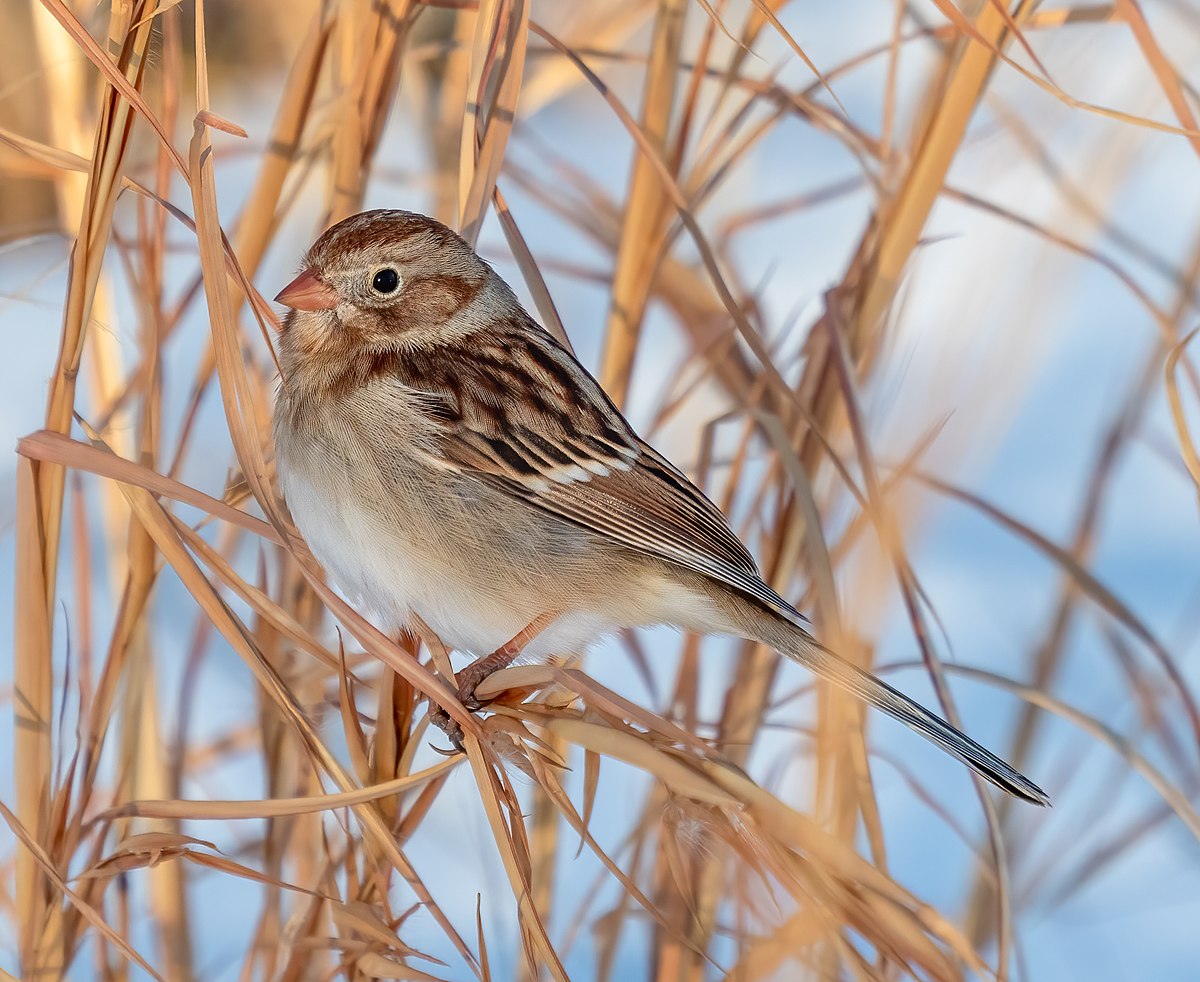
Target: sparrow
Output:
[{"x": 454, "y": 467}]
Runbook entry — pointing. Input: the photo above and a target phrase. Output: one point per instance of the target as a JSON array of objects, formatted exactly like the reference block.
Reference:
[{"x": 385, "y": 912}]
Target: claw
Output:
[
  {"x": 448, "y": 725},
  {"x": 467, "y": 698}
]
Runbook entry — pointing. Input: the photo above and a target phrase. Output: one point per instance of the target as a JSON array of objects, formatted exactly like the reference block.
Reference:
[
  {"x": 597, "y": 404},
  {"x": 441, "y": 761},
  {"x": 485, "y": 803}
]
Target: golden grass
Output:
[{"x": 716, "y": 862}]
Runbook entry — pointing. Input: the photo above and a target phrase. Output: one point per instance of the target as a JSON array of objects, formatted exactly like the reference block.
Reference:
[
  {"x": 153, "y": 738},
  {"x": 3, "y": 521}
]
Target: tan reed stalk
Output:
[
  {"x": 646, "y": 208},
  {"x": 43, "y": 948}
]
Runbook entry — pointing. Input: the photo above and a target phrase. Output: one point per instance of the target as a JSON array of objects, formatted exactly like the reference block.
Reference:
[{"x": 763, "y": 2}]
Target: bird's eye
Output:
[{"x": 385, "y": 280}]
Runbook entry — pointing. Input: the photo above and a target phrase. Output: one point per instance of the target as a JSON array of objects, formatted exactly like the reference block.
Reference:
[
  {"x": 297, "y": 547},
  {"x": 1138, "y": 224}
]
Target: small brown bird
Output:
[{"x": 448, "y": 460}]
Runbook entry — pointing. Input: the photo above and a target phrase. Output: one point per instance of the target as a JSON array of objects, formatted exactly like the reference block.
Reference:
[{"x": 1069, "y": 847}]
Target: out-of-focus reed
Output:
[{"x": 118, "y": 144}]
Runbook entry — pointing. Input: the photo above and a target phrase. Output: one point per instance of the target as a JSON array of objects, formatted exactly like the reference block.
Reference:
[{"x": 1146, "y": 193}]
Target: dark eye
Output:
[{"x": 386, "y": 280}]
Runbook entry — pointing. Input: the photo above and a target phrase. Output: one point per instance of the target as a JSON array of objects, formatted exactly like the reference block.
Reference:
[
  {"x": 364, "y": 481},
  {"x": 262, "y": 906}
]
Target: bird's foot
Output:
[
  {"x": 451, "y": 727},
  {"x": 470, "y": 678}
]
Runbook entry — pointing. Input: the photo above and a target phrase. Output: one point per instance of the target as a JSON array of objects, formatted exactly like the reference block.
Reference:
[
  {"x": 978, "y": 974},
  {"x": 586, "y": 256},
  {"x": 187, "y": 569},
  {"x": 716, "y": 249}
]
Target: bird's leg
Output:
[{"x": 470, "y": 677}]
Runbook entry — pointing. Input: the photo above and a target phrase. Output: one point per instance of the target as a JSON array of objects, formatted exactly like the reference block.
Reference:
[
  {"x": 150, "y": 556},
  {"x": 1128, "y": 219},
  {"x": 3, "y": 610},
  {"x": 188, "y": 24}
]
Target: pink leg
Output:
[{"x": 471, "y": 676}]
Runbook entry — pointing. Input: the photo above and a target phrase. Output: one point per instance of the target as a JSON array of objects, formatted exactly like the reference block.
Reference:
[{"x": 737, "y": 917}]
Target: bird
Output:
[{"x": 453, "y": 466}]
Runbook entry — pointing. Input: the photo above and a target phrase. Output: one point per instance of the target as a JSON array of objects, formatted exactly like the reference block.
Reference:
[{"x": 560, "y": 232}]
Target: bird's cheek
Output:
[
  {"x": 420, "y": 306},
  {"x": 286, "y": 322},
  {"x": 310, "y": 333}
]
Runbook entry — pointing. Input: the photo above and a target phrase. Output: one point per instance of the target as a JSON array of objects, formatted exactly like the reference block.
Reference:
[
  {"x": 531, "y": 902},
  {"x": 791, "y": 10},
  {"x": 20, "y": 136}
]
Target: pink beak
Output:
[{"x": 308, "y": 292}]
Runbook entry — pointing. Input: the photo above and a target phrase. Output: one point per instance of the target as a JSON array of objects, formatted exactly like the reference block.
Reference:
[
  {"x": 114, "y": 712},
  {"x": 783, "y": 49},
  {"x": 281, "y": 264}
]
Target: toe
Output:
[{"x": 466, "y": 695}]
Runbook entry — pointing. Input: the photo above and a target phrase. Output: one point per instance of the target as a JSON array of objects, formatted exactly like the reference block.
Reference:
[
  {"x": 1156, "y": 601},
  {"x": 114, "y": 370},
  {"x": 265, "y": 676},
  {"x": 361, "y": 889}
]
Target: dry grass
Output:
[{"x": 715, "y": 873}]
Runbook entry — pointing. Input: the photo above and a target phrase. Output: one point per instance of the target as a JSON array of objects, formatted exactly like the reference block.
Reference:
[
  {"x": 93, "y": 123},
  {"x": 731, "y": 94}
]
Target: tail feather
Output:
[{"x": 796, "y": 643}]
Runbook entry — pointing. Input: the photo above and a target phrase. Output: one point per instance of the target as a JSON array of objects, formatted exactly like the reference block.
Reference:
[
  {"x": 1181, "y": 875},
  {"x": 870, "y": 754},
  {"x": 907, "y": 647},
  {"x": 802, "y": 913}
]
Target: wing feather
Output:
[{"x": 515, "y": 409}]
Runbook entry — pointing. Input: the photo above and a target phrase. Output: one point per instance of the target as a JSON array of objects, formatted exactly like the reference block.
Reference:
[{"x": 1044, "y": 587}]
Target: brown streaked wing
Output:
[
  {"x": 514, "y": 404},
  {"x": 655, "y": 509},
  {"x": 519, "y": 412}
]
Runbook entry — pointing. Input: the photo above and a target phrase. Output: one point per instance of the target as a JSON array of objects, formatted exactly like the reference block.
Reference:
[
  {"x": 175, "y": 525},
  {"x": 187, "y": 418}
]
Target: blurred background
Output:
[{"x": 907, "y": 287}]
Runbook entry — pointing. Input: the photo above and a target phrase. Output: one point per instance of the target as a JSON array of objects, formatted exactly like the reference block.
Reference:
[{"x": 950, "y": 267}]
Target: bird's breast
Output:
[{"x": 401, "y": 536}]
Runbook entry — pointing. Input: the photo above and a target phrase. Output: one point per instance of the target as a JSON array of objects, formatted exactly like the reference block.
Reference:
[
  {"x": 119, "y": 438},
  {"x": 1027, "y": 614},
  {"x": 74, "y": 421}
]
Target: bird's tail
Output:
[{"x": 790, "y": 639}]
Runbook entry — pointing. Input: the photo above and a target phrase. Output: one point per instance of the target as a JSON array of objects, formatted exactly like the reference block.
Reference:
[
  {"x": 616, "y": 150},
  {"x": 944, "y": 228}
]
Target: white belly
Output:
[{"x": 389, "y": 576}]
